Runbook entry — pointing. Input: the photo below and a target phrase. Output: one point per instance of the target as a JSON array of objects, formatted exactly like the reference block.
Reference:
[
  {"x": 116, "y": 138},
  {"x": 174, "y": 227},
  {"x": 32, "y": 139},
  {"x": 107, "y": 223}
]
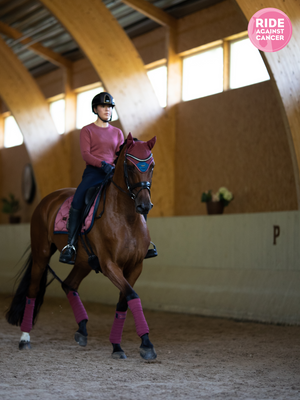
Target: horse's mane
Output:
[{"x": 121, "y": 148}]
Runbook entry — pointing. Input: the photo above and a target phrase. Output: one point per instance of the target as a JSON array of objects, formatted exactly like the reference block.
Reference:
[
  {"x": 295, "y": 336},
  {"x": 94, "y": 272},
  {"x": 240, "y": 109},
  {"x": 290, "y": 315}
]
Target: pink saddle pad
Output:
[{"x": 61, "y": 219}]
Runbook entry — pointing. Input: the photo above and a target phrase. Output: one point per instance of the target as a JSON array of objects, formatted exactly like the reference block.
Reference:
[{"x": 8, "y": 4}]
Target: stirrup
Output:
[
  {"x": 151, "y": 252},
  {"x": 61, "y": 257}
]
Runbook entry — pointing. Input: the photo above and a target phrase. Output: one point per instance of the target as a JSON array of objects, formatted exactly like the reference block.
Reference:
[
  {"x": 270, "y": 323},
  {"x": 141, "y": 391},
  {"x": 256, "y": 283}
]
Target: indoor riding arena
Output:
[{"x": 216, "y": 313}]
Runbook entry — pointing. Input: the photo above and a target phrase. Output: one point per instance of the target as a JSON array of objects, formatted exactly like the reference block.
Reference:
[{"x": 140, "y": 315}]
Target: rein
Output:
[{"x": 142, "y": 185}]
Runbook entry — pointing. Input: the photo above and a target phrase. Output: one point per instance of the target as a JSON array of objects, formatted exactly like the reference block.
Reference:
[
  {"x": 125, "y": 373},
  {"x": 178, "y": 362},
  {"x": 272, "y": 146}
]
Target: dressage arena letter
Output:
[{"x": 276, "y": 233}]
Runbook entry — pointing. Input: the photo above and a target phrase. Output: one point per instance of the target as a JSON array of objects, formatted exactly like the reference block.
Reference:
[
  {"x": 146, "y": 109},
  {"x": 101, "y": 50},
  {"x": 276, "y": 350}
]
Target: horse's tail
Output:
[{"x": 14, "y": 314}]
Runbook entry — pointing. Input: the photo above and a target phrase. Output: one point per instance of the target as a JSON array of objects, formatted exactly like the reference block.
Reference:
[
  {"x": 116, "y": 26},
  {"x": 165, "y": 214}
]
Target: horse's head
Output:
[{"x": 138, "y": 170}]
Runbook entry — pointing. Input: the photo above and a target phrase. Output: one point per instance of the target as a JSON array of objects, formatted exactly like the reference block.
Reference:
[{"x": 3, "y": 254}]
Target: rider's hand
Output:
[{"x": 107, "y": 168}]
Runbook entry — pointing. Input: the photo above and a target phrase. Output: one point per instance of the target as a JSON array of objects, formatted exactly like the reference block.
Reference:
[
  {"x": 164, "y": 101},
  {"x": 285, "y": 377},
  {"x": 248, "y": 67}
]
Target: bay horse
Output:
[{"x": 120, "y": 239}]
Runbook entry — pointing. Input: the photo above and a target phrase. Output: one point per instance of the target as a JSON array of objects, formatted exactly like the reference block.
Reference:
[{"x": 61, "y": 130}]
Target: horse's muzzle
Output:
[{"x": 143, "y": 208}]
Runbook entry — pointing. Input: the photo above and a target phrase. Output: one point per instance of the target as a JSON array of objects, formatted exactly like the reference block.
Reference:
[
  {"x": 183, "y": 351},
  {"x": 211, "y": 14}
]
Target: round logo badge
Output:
[{"x": 270, "y": 29}]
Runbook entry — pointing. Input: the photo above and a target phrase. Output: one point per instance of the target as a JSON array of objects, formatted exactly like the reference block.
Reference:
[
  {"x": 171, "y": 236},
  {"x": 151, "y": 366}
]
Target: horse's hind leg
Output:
[
  {"x": 70, "y": 286},
  {"x": 36, "y": 290}
]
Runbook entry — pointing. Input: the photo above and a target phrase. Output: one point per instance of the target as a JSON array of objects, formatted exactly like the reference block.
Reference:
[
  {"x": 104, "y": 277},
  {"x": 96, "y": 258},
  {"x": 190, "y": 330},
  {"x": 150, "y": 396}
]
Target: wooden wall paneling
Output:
[
  {"x": 210, "y": 24},
  {"x": 152, "y": 45},
  {"x": 11, "y": 180},
  {"x": 70, "y": 101},
  {"x": 174, "y": 69},
  {"x": 285, "y": 67},
  {"x": 122, "y": 72},
  {"x": 1, "y": 131},
  {"x": 83, "y": 74},
  {"x": 174, "y": 64},
  {"x": 30, "y": 109},
  {"x": 1, "y": 146},
  {"x": 226, "y": 64},
  {"x": 235, "y": 139},
  {"x": 70, "y": 116},
  {"x": 51, "y": 84}
]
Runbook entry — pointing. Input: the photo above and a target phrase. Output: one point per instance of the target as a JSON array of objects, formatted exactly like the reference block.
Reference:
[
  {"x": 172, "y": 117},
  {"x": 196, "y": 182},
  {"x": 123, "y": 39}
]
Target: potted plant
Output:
[
  {"x": 216, "y": 202},
  {"x": 11, "y": 205}
]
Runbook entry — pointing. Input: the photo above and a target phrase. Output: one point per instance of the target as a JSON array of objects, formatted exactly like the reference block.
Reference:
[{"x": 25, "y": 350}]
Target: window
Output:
[
  {"x": 158, "y": 79},
  {"x": 202, "y": 74},
  {"x": 57, "y": 111},
  {"x": 12, "y": 134},
  {"x": 246, "y": 65},
  {"x": 84, "y": 113}
]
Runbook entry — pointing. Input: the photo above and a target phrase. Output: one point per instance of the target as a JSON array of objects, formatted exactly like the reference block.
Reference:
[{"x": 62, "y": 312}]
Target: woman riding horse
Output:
[
  {"x": 99, "y": 143},
  {"x": 119, "y": 239}
]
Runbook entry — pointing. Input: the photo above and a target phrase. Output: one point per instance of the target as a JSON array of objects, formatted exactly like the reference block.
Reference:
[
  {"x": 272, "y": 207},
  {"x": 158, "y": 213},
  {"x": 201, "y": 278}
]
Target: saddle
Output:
[{"x": 92, "y": 199}]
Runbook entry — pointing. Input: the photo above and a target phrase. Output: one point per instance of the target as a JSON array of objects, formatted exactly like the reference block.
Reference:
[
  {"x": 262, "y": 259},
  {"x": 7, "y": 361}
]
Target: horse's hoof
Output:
[
  {"x": 23, "y": 345},
  {"x": 147, "y": 353},
  {"x": 80, "y": 339},
  {"x": 119, "y": 355}
]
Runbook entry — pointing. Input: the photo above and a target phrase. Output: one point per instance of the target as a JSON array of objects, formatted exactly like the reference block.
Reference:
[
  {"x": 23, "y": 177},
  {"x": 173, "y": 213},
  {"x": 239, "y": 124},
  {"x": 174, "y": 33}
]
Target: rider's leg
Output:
[
  {"x": 68, "y": 253},
  {"x": 92, "y": 176}
]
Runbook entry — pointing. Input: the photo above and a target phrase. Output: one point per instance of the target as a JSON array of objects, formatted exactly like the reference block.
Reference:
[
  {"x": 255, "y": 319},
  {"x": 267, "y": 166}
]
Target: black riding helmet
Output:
[{"x": 103, "y": 98}]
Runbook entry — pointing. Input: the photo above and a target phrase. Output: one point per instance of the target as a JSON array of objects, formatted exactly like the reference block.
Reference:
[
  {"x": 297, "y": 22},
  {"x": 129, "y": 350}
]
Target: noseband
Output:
[{"x": 143, "y": 166}]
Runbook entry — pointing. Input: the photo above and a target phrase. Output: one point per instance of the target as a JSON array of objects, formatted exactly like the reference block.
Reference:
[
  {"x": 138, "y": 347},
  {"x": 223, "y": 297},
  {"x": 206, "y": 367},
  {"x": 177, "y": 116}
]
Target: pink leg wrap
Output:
[
  {"x": 77, "y": 306},
  {"x": 26, "y": 325},
  {"x": 117, "y": 328},
  {"x": 141, "y": 325}
]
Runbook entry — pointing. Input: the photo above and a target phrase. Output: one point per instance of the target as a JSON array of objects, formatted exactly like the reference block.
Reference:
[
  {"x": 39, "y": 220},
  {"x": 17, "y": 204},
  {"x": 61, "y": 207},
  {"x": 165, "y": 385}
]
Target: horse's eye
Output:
[{"x": 130, "y": 167}]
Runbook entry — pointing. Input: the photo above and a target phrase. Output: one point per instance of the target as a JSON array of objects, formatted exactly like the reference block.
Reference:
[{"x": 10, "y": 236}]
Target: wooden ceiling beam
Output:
[
  {"x": 24, "y": 98},
  {"x": 44, "y": 52},
  {"x": 152, "y": 12}
]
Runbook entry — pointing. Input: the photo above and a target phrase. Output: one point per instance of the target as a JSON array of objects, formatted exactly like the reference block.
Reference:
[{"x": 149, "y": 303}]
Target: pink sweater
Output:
[{"x": 100, "y": 144}]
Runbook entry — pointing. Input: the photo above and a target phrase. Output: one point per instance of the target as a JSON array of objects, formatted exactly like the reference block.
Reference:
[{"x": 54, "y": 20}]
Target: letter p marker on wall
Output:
[{"x": 276, "y": 233}]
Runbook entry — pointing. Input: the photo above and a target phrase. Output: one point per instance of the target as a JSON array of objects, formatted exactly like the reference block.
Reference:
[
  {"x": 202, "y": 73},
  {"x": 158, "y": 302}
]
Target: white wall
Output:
[{"x": 223, "y": 265}]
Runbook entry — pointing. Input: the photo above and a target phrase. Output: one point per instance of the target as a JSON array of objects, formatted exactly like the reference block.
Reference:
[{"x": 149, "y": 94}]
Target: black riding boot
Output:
[
  {"x": 151, "y": 252},
  {"x": 68, "y": 253}
]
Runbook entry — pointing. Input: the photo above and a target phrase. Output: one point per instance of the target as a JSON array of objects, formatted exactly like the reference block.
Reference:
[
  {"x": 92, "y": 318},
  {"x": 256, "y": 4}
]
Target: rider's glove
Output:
[{"x": 107, "y": 168}]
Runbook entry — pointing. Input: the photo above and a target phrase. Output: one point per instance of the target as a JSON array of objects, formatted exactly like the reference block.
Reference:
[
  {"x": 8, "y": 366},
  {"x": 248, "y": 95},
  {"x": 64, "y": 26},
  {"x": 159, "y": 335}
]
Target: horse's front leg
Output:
[
  {"x": 115, "y": 336},
  {"x": 147, "y": 351},
  {"x": 128, "y": 298}
]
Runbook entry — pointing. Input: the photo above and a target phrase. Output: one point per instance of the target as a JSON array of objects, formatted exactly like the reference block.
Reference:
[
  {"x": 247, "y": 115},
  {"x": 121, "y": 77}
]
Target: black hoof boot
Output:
[
  {"x": 81, "y": 335},
  {"x": 68, "y": 255},
  {"x": 118, "y": 353},
  {"x": 80, "y": 339},
  {"x": 24, "y": 345},
  {"x": 147, "y": 351}
]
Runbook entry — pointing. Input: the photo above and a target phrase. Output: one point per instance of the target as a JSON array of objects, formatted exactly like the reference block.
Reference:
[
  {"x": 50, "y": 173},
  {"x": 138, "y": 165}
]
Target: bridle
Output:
[{"x": 142, "y": 185}]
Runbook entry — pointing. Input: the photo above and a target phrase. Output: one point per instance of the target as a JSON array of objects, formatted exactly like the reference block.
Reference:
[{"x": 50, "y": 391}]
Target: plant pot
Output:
[
  {"x": 14, "y": 219},
  {"x": 214, "y": 207}
]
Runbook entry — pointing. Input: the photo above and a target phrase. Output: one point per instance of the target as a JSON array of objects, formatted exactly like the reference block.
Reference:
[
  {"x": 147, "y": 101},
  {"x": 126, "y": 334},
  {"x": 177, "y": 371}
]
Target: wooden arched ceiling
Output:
[
  {"x": 285, "y": 66},
  {"x": 121, "y": 69},
  {"x": 30, "y": 109}
]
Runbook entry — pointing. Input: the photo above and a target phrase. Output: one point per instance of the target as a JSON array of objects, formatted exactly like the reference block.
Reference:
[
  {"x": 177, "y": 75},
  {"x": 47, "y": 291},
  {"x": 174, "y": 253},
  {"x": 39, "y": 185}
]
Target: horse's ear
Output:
[
  {"x": 151, "y": 142},
  {"x": 130, "y": 141}
]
